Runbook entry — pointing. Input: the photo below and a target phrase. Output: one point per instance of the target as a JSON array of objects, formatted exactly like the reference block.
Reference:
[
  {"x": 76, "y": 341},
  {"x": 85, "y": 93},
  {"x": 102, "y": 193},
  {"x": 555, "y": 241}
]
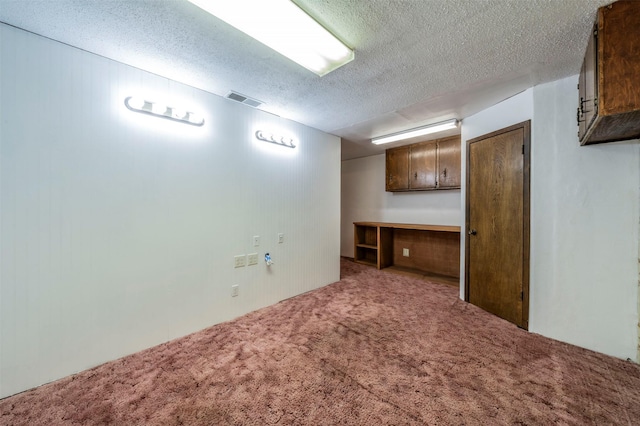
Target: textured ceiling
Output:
[{"x": 416, "y": 61}]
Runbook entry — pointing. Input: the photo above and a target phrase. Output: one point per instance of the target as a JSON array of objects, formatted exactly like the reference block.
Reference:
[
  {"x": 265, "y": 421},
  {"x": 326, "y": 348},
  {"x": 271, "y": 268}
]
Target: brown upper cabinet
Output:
[
  {"x": 424, "y": 166},
  {"x": 609, "y": 82},
  {"x": 397, "y": 169},
  {"x": 449, "y": 163}
]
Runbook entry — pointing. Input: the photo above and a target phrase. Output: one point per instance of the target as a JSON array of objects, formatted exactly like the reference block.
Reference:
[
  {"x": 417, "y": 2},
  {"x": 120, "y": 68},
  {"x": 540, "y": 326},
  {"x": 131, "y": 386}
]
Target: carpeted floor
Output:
[{"x": 376, "y": 348}]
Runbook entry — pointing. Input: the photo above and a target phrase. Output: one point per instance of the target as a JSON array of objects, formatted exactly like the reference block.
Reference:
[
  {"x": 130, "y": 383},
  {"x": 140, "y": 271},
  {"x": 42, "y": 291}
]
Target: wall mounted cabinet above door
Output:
[
  {"x": 609, "y": 84},
  {"x": 424, "y": 166}
]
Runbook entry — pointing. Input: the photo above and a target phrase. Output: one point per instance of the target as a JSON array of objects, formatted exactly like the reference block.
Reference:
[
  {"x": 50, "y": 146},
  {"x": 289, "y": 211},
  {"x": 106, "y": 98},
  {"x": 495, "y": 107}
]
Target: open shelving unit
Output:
[
  {"x": 433, "y": 248},
  {"x": 371, "y": 245}
]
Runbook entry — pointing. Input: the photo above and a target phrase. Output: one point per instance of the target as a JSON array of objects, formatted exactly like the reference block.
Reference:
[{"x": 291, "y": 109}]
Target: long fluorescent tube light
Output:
[
  {"x": 418, "y": 131},
  {"x": 285, "y": 28}
]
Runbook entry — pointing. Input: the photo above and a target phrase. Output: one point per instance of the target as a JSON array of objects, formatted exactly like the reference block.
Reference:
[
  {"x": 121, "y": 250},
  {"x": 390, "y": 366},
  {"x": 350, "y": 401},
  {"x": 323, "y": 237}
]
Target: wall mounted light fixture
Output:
[
  {"x": 418, "y": 131},
  {"x": 285, "y": 28},
  {"x": 159, "y": 109},
  {"x": 277, "y": 139}
]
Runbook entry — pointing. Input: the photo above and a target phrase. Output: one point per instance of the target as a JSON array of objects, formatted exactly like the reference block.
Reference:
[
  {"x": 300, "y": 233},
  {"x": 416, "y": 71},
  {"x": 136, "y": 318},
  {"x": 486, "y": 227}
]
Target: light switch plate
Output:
[
  {"x": 405, "y": 252},
  {"x": 280, "y": 238},
  {"x": 256, "y": 240},
  {"x": 252, "y": 259}
]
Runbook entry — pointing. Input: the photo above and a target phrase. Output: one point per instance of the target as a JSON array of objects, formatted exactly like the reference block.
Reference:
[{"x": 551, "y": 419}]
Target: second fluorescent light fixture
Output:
[
  {"x": 285, "y": 28},
  {"x": 418, "y": 131}
]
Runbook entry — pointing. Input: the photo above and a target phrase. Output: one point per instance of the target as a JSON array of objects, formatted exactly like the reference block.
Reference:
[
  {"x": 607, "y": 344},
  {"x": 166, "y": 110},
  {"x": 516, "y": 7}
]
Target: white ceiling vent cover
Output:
[{"x": 235, "y": 96}]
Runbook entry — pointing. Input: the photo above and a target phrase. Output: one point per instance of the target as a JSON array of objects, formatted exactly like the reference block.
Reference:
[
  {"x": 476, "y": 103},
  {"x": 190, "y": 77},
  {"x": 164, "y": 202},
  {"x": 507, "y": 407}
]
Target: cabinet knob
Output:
[{"x": 472, "y": 232}]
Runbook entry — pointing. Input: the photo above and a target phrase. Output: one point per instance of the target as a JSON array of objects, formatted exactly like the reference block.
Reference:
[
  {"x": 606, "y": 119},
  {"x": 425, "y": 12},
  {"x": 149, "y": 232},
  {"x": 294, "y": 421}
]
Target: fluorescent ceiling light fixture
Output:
[
  {"x": 277, "y": 139},
  {"x": 285, "y": 28},
  {"x": 418, "y": 131},
  {"x": 159, "y": 109}
]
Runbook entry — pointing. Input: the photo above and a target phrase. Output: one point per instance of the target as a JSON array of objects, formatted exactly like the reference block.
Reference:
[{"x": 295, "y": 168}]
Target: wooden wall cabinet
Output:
[
  {"x": 397, "y": 161},
  {"x": 424, "y": 166},
  {"x": 609, "y": 82},
  {"x": 449, "y": 163}
]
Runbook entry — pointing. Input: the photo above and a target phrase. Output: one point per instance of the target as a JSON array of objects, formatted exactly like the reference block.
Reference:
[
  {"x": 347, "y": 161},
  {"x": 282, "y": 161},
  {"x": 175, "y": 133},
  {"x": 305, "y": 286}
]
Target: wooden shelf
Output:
[
  {"x": 419, "y": 227},
  {"x": 366, "y": 262},
  {"x": 367, "y": 246},
  {"x": 433, "y": 249}
]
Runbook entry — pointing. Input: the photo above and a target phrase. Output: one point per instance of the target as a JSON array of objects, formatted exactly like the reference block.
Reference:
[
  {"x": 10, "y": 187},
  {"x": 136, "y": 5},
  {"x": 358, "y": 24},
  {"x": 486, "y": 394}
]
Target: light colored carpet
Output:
[{"x": 376, "y": 348}]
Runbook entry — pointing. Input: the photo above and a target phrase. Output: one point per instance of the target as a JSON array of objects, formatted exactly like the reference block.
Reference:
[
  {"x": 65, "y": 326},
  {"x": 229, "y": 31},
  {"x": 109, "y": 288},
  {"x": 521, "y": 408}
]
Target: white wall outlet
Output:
[
  {"x": 256, "y": 240},
  {"x": 280, "y": 238},
  {"x": 252, "y": 259},
  {"x": 234, "y": 290},
  {"x": 239, "y": 261},
  {"x": 405, "y": 252}
]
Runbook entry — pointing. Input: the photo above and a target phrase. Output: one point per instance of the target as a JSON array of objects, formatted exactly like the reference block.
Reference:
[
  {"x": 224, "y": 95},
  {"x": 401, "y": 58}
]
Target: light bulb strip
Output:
[
  {"x": 276, "y": 139},
  {"x": 158, "y": 109},
  {"x": 418, "y": 131}
]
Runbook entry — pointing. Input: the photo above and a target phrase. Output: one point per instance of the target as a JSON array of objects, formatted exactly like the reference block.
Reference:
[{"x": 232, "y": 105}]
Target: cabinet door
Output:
[
  {"x": 582, "y": 84},
  {"x": 397, "y": 167},
  {"x": 588, "y": 87},
  {"x": 422, "y": 169},
  {"x": 449, "y": 162}
]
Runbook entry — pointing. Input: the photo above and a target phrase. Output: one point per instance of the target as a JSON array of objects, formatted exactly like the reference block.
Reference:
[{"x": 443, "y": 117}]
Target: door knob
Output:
[{"x": 472, "y": 232}]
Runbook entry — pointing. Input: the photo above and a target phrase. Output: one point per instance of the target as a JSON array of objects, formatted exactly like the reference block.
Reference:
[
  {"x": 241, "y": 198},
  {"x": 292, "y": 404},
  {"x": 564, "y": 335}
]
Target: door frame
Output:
[{"x": 526, "y": 213}]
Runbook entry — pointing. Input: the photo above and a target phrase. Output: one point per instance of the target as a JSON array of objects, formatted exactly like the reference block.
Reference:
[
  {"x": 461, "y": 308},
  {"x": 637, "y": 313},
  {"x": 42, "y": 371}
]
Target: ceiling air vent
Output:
[{"x": 235, "y": 96}]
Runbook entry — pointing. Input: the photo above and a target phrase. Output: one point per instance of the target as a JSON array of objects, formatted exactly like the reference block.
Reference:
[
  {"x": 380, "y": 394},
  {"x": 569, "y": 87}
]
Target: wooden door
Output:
[
  {"x": 422, "y": 169},
  {"x": 449, "y": 162},
  {"x": 497, "y": 243},
  {"x": 397, "y": 168}
]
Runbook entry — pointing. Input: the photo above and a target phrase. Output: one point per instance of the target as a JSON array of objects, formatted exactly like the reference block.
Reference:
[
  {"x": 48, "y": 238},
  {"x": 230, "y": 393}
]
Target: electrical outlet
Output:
[
  {"x": 252, "y": 259},
  {"x": 256, "y": 240},
  {"x": 239, "y": 261},
  {"x": 280, "y": 238},
  {"x": 234, "y": 290},
  {"x": 405, "y": 252}
]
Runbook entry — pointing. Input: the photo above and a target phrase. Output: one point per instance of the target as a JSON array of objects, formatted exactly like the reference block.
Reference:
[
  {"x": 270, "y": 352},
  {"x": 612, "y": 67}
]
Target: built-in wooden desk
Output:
[{"x": 432, "y": 249}]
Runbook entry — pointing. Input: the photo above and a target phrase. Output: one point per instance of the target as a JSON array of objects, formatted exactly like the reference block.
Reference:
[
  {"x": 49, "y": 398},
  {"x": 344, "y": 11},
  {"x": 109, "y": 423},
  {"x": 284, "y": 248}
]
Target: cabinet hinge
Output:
[
  {"x": 522, "y": 149},
  {"x": 522, "y": 295}
]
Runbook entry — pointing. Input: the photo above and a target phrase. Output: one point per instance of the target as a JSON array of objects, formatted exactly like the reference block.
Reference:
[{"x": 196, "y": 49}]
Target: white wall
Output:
[
  {"x": 118, "y": 230},
  {"x": 584, "y": 235},
  {"x": 364, "y": 199},
  {"x": 585, "y": 209}
]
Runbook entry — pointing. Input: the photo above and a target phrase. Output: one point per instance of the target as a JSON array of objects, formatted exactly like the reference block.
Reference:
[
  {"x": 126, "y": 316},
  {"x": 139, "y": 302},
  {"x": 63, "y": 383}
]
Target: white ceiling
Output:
[{"x": 416, "y": 61}]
